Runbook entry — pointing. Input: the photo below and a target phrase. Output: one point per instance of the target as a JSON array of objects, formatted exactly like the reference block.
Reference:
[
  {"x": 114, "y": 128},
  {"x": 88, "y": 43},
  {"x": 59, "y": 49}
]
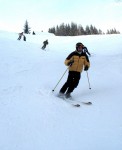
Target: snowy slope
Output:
[{"x": 33, "y": 118}]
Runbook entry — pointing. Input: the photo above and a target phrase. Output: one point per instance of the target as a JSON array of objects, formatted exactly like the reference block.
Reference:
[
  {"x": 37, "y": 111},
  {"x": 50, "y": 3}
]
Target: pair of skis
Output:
[{"x": 74, "y": 102}]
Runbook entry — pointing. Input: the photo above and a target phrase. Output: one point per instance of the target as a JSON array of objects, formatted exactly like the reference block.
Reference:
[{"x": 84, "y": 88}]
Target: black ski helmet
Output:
[{"x": 79, "y": 44}]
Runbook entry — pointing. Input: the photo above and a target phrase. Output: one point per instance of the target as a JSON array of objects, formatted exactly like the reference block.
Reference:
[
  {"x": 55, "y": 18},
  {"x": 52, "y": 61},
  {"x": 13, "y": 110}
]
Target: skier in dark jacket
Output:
[
  {"x": 45, "y": 43},
  {"x": 20, "y": 36},
  {"x": 24, "y": 38},
  {"x": 77, "y": 62}
]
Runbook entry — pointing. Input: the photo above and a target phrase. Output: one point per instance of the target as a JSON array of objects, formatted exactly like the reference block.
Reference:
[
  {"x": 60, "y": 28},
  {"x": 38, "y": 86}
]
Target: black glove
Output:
[
  {"x": 86, "y": 68},
  {"x": 86, "y": 50},
  {"x": 70, "y": 63}
]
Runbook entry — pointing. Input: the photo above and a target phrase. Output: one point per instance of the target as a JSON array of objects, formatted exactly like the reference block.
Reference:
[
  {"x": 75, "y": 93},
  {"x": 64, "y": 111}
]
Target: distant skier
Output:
[
  {"x": 45, "y": 43},
  {"x": 24, "y": 38},
  {"x": 33, "y": 33},
  {"x": 20, "y": 36}
]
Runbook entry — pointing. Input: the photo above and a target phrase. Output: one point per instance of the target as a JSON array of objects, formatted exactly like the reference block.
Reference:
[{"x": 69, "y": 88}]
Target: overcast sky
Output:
[{"x": 44, "y": 14}]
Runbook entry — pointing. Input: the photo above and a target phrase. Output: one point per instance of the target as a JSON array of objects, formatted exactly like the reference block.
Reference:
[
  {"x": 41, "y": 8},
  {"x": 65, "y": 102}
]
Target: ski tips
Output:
[
  {"x": 76, "y": 105},
  {"x": 87, "y": 103}
]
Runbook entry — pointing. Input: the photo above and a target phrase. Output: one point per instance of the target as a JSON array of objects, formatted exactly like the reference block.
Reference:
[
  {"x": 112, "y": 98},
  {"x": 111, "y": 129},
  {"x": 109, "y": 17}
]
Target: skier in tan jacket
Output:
[{"x": 77, "y": 61}]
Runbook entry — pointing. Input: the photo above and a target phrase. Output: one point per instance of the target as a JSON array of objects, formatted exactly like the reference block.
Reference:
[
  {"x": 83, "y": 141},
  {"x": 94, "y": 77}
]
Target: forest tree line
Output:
[{"x": 73, "y": 30}]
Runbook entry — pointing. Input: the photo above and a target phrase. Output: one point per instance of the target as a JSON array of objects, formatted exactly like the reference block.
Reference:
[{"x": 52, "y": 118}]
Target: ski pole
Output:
[
  {"x": 88, "y": 80},
  {"x": 60, "y": 79}
]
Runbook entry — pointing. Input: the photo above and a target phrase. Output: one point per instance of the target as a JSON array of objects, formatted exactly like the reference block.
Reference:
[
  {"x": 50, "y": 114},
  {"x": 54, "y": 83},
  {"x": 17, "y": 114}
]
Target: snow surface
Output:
[{"x": 33, "y": 118}]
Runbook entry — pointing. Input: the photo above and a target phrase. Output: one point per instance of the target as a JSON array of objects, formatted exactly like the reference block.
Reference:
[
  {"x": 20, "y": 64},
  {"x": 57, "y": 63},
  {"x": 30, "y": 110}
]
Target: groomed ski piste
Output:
[{"x": 33, "y": 118}]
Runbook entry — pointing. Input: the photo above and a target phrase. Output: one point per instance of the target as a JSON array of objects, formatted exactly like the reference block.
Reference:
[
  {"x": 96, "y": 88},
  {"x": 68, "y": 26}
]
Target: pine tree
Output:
[
  {"x": 112, "y": 31},
  {"x": 81, "y": 30},
  {"x": 67, "y": 30},
  {"x": 74, "y": 29},
  {"x": 87, "y": 30},
  {"x": 26, "y": 28}
]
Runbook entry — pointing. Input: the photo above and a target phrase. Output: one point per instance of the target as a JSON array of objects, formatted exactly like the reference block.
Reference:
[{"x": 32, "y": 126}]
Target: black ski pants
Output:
[
  {"x": 44, "y": 46},
  {"x": 71, "y": 83},
  {"x": 19, "y": 38}
]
